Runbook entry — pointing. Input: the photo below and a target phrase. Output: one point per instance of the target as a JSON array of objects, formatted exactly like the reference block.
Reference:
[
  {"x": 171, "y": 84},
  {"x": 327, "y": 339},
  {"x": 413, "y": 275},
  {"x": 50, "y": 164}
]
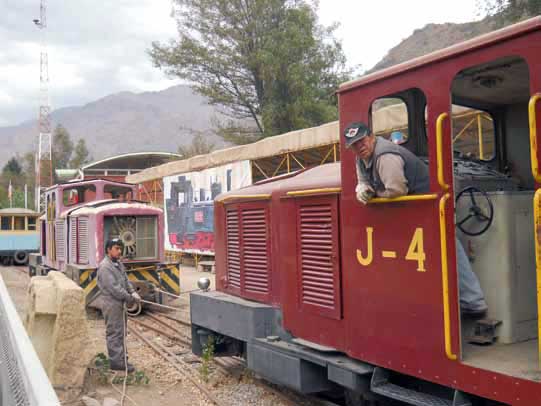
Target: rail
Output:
[
  {"x": 445, "y": 281},
  {"x": 23, "y": 381},
  {"x": 312, "y": 192},
  {"x": 532, "y": 116},
  {"x": 407, "y": 198},
  {"x": 439, "y": 150},
  {"x": 537, "y": 237},
  {"x": 263, "y": 196}
]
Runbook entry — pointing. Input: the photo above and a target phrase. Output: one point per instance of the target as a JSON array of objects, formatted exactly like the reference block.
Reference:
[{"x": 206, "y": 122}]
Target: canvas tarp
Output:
[{"x": 385, "y": 119}]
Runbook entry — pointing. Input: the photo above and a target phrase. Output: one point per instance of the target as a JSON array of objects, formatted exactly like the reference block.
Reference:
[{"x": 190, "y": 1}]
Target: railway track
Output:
[{"x": 161, "y": 324}]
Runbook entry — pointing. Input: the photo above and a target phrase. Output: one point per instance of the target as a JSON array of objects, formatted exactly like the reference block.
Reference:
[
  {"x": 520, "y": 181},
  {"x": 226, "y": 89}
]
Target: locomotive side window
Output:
[
  {"x": 123, "y": 194},
  {"x": 78, "y": 195},
  {"x": 390, "y": 119},
  {"x": 18, "y": 223},
  {"x": 400, "y": 118},
  {"x": 473, "y": 133},
  {"x": 31, "y": 223},
  {"x": 6, "y": 223}
]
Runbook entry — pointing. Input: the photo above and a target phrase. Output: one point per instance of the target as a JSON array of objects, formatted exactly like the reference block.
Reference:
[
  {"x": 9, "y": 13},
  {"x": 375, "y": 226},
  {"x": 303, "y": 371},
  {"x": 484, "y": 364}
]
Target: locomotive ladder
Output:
[{"x": 23, "y": 381}]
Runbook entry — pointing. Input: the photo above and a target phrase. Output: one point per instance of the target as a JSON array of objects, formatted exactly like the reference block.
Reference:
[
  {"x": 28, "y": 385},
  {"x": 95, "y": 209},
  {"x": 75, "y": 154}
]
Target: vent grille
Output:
[
  {"x": 318, "y": 246},
  {"x": 73, "y": 240},
  {"x": 83, "y": 240},
  {"x": 254, "y": 251},
  {"x": 60, "y": 239},
  {"x": 233, "y": 248}
]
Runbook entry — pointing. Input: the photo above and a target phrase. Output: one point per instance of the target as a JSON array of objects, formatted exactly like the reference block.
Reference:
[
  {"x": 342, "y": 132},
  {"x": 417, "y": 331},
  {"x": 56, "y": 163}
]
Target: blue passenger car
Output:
[{"x": 19, "y": 235}]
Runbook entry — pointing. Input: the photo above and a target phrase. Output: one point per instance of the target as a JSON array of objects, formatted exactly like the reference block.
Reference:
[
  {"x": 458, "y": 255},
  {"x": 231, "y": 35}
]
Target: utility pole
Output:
[{"x": 44, "y": 163}]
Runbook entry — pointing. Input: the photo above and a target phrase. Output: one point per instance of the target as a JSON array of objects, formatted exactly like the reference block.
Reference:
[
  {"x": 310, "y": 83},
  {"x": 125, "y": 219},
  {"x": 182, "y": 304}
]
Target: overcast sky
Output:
[{"x": 99, "y": 47}]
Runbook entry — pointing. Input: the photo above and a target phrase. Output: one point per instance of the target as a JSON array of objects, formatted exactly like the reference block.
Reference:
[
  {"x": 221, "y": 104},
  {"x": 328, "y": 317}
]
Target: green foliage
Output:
[
  {"x": 207, "y": 358},
  {"x": 266, "y": 61},
  {"x": 509, "y": 11},
  {"x": 62, "y": 147},
  {"x": 13, "y": 167},
  {"x": 199, "y": 146},
  {"x": 101, "y": 362},
  {"x": 80, "y": 155}
]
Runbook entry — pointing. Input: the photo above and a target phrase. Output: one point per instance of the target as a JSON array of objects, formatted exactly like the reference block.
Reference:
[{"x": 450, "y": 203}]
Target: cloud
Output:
[
  {"x": 97, "y": 48},
  {"x": 94, "y": 49}
]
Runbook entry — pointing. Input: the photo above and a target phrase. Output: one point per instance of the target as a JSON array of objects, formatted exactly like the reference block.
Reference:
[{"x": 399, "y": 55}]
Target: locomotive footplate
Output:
[{"x": 304, "y": 369}]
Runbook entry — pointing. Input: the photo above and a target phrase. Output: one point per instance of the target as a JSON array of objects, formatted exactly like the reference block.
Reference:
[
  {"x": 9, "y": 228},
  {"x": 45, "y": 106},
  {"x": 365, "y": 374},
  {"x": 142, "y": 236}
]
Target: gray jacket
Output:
[
  {"x": 415, "y": 170},
  {"x": 113, "y": 281}
]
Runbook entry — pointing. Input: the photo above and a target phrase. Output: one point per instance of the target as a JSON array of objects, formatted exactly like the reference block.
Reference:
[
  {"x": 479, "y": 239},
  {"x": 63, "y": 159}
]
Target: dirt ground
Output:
[{"x": 167, "y": 387}]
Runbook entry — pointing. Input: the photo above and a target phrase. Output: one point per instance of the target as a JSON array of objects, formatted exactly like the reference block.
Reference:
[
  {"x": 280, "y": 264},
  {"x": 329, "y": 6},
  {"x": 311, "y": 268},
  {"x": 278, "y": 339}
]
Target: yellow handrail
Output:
[
  {"x": 407, "y": 198},
  {"x": 439, "y": 149},
  {"x": 445, "y": 281},
  {"x": 309, "y": 192},
  {"x": 245, "y": 197},
  {"x": 533, "y": 136},
  {"x": 537, "y": 230}
]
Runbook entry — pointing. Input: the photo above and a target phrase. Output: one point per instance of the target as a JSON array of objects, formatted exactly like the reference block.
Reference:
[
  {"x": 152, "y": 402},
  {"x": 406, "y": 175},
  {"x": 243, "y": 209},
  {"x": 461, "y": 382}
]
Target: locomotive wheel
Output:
[
  {"x": 20, "y": 257},
  {"x": 134, "y": 309}
]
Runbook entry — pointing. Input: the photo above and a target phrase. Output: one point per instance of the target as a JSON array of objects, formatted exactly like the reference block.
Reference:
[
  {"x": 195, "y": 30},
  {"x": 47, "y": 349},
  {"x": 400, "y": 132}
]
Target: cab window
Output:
[
  {"x": 473, "y": 133},
  {"x": 19, "y": 224},
  {"x": 6, "y": 223},
  {"x": 78, "y": 194},
  {"x": 117, "y": 192},
  {"x": 31, "y": 223}
]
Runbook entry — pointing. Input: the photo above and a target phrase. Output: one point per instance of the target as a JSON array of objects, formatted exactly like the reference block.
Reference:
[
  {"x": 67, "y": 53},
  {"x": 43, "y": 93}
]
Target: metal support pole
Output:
[{"x": 480, "y": 131}]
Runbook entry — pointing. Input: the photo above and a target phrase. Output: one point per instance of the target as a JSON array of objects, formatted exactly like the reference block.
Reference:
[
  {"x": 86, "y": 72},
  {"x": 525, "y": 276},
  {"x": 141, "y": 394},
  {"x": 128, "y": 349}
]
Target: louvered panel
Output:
[
  {"x": 233, "y": 248},
  {"x": 83, "y": 240},
  {"x": 254, "y": 251},
  {"x": 317, "y": 234},
  {"x": 60, "y": 239},
  {"x": 73, "y": 240}
]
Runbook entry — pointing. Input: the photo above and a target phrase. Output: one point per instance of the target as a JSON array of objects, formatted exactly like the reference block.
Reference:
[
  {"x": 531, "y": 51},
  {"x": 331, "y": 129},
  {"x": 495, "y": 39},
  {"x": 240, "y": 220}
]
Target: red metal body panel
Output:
[{"x": 397, "y": 322}]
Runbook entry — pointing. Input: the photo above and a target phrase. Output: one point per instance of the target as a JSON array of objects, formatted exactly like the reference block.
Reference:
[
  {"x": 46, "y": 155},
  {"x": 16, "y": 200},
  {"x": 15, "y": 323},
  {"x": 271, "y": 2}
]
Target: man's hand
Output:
[
  {"x": 364, "y": 193},
  {"x": 136, "y": 296}
]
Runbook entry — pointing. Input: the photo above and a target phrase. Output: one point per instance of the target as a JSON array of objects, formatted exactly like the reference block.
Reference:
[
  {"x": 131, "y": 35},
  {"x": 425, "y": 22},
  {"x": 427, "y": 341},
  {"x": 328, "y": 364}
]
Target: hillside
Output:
[
  {"x": 431, "y": 38},
  {"x": 122, "y": 122}
]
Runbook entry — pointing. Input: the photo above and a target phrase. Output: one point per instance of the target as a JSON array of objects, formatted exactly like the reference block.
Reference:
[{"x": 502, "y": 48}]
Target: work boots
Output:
[{"x": 115, "y": 367}]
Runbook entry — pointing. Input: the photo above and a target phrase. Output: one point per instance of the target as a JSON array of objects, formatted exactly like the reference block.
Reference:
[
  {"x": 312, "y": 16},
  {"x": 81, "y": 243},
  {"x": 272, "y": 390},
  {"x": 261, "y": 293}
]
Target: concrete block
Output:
[
  {"x": 57, "y": 325},
  {"x": 110, "y": 402}
]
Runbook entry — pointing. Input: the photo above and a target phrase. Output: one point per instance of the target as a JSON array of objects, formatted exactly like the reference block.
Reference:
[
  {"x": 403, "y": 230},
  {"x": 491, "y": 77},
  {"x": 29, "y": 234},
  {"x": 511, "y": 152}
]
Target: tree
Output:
[
  {"x": 199, "y": 146},
  {"x": 81, "y": 155},
  {"x": 62, "y": 147},
  {"x": 266, "y": 61},
  {"x": 13, "y": 167},
  {"x": 509, "y": 11}
]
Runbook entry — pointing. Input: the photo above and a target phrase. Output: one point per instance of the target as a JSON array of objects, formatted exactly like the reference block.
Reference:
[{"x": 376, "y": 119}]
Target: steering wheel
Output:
[{"x": 481, "y": 215}]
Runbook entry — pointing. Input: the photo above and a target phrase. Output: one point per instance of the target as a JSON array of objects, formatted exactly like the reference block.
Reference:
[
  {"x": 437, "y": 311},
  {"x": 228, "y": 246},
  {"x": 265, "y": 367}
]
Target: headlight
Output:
[{"x": 203, "y": 283}]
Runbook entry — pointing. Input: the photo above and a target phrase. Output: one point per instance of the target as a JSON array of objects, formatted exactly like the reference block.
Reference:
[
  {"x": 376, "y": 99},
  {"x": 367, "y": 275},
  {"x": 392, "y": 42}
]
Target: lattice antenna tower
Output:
[{"x": 44, "y": 164}]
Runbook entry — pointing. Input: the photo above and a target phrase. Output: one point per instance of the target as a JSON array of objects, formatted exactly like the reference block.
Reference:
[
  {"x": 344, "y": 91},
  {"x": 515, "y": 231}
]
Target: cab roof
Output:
[{"x": 482, "y": 41}]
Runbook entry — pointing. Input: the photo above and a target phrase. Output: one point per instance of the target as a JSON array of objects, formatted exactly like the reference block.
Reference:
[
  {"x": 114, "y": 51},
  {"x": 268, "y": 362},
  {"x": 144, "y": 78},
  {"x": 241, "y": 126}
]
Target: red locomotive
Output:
[{"x": 320, "y": 292}]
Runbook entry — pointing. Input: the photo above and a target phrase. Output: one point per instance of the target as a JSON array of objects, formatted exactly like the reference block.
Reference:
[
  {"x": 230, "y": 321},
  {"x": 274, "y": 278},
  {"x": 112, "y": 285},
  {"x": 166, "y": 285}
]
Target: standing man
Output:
[
  {"x": 385, "y": 169},
  {"x": 116, "y": 291}
]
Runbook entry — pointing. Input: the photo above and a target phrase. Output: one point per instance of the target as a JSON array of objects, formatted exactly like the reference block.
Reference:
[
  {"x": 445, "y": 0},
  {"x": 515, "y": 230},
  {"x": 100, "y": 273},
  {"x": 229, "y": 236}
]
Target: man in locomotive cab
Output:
[
  {"x": 386, "y": 169},
  {"x": 116, "y": 291}
]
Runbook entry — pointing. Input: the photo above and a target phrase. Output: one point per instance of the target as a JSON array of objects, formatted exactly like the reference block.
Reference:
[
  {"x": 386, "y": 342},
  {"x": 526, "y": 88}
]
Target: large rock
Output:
[{"x": 57, "y": 325}]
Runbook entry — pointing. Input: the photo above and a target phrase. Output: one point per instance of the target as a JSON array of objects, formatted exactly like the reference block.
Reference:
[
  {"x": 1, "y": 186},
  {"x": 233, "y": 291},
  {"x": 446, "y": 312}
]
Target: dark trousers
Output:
[{"x": 115, "y": 329}]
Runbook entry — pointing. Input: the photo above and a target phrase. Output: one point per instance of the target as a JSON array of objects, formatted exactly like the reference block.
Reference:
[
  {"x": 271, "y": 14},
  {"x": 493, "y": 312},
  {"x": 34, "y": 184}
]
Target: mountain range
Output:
[{"x": 123, "y": 122}]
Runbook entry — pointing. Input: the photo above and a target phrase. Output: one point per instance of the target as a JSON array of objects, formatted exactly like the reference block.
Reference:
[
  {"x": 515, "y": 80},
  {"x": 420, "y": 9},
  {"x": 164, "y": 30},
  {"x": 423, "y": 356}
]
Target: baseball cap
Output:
[{"x": 355, "y": 132}]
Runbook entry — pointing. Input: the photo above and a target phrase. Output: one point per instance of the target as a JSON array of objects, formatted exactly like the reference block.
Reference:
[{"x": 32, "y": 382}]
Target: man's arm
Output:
[
  {"x": 130, "y": 286},
  {"x": 390, "y": 168},
  {"x": 108, "y": 283}
]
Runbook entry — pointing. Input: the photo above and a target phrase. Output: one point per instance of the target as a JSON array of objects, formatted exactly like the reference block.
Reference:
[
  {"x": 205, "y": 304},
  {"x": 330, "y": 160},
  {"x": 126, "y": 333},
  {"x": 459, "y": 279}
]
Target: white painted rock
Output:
[
  {"x": 88, "y": 401},
  {"x": 110, "y": 402}
]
